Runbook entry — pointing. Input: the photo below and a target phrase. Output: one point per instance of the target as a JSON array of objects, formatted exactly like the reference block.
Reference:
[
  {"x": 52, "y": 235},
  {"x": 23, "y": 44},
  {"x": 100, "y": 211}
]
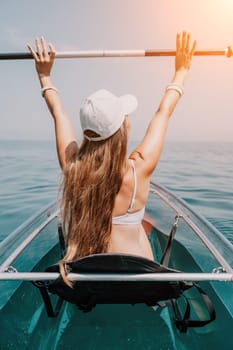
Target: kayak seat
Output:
[
  {"x": 86, "y": 294},
  {"x": 99, "y": 283}
]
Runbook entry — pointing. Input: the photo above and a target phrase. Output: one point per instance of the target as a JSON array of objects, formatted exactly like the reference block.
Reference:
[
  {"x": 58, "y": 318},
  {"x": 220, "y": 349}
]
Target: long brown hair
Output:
[{"x": 90, "y": 184}]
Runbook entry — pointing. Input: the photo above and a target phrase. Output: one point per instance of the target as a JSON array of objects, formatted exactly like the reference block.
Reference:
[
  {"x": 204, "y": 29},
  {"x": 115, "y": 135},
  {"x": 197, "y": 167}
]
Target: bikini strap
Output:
[{"x": 135, "y": 187}]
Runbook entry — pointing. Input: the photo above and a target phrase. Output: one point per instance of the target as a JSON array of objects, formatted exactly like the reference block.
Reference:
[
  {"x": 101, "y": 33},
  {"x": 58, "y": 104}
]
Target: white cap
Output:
[{"x": 104, "y": 113}]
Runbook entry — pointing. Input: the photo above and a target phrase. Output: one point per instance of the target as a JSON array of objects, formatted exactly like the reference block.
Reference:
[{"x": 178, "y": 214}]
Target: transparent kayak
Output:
[{"x": 198, "y": 251}]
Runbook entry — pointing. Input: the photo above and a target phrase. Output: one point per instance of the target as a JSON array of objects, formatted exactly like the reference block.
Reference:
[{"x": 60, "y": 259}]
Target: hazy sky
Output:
[{"x": 205, "y": 111}]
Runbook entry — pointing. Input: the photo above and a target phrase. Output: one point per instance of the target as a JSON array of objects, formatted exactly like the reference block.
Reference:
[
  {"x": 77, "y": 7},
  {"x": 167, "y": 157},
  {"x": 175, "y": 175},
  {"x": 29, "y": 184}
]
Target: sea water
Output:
[{"x": 199, "y": 173}]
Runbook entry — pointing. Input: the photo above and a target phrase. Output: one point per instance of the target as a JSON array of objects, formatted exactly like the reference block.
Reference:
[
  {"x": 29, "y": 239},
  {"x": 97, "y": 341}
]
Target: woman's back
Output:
[{"x": 127, "y": 233}]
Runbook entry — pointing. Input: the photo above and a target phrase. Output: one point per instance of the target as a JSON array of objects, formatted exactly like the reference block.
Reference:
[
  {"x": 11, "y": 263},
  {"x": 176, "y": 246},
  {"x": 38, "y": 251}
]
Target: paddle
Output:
[{"x": 117, "y": 53}]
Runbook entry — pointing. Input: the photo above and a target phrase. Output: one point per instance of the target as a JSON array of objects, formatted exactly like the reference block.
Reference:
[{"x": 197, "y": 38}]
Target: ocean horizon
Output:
[{"x": 200, "y": 173}]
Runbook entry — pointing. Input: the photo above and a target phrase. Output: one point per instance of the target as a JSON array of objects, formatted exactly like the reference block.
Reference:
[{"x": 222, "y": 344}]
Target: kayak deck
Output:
[{"x": 24, "y": 319}]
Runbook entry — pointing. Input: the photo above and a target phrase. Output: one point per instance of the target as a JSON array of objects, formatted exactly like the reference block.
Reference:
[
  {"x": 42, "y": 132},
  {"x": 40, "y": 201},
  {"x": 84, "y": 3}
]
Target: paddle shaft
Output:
[{"x": 115, "y": 53}]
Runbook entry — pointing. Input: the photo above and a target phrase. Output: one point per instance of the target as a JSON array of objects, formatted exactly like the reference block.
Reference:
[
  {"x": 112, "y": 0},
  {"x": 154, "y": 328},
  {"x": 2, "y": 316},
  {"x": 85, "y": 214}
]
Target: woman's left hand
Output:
[
  {"x": 184, "y": 53},
  {"x": 43, "y": 59}
]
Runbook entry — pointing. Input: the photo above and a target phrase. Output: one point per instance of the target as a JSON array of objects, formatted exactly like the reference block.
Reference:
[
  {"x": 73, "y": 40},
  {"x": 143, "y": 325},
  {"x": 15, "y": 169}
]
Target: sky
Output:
[{"x": 205, "y": 112}]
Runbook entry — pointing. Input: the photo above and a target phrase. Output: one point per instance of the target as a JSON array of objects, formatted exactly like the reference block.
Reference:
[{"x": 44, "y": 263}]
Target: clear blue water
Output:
[{"x": 199, "y": 173}]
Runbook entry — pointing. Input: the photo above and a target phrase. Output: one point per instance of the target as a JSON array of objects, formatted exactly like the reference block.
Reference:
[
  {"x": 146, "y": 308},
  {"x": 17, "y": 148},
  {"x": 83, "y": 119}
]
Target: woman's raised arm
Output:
[
  {"x": 65, "y": 137},
  {"x": 149, "y": 150}
]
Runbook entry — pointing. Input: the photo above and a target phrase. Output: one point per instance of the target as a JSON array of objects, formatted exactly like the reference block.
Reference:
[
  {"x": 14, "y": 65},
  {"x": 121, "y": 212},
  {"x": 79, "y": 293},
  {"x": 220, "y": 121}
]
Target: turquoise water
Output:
[{"x": 199, "y": 173}]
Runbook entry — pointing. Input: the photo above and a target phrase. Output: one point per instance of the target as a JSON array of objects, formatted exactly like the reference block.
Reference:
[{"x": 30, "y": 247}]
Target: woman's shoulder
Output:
[
  {"x": 140, "y": 163},
  {"x": 71, "y": 152}
]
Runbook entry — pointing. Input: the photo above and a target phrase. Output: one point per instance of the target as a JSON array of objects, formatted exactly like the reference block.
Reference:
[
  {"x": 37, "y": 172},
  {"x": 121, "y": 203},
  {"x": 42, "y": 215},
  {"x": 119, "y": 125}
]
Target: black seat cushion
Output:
[
  {"x": 87, "y": 294},
  {"x": 94, "y": 292}
]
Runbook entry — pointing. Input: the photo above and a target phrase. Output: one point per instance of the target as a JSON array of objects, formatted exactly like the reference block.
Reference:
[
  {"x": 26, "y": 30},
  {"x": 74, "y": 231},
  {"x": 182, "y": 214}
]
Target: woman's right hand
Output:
[
  {"x": 43, "y": 59},
  {"x": 65, "y": 135},
  {"x": 184, "y": 54}
]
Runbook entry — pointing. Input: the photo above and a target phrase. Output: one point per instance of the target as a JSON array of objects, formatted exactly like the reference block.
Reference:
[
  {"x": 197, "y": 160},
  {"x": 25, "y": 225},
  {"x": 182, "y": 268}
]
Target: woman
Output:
[{"x": 104, "y": 191}]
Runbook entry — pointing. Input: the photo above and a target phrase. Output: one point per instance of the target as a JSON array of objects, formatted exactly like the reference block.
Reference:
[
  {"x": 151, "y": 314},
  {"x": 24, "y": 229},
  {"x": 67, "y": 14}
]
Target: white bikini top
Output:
[{"x": 131, "y": 218}]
